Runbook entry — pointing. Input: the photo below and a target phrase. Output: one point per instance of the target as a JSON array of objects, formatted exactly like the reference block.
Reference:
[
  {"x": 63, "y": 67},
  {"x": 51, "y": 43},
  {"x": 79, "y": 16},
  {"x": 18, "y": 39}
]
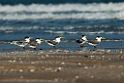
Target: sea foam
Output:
[{"x": 62, "y": 11}]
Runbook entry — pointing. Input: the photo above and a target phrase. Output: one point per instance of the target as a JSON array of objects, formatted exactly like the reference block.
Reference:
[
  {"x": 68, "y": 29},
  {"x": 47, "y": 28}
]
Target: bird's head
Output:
[
  {"x": 60, "y": 37},
  {"x": 84, "y": 37}
]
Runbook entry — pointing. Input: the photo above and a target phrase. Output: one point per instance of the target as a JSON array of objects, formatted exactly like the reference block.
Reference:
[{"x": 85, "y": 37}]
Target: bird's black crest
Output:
[
  {"x": 57, "y": 36},
  {"x": 37, "y": 38},
  {"x": 83, "y": 35},
  {"x": 26, "y": 37},
  {"x": 98, "y": 36}
]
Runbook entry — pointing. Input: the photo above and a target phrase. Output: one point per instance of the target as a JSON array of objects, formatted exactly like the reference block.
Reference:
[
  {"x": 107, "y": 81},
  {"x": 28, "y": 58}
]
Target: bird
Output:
[
  {"x": 55, "y": 41},
  {"x": 82, "y": 41},
  {"x": 22, "y": 43},
  {"x": 34, "y": 43},
  {"x": 96, "y": 41}
]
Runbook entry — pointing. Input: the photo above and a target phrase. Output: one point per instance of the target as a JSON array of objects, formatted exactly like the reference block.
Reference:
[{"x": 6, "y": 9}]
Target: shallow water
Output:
[{"x": 70, "y": 20}]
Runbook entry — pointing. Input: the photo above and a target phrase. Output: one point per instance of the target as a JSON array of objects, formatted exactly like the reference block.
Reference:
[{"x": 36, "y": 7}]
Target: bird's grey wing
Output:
[
  {"x": 79, "y": 41},
  {"x": 33, "y": 43},
  {"x": 17, "y": 42},
  {"x": 52, "y": 42},
  {"x": 93, "y": 41}
]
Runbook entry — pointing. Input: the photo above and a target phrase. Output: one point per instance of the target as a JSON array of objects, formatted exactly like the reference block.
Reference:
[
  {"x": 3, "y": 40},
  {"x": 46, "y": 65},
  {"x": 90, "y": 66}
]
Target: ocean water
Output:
[{"x": 71, "y": 20}]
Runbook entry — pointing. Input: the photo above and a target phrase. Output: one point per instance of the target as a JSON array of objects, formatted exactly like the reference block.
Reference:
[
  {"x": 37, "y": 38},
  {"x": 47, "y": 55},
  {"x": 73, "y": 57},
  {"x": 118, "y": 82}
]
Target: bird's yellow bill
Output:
[
  {"x": 103, "y": 38},
  {"x": 42, "y": 38},
  {"x": 62, "y": 36},
  {"x": 31, "y": 37}
]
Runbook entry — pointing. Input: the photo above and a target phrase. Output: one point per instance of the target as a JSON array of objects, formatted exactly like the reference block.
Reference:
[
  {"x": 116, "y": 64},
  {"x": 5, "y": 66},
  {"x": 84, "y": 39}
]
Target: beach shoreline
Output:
[{"x": 60, "y": 67}]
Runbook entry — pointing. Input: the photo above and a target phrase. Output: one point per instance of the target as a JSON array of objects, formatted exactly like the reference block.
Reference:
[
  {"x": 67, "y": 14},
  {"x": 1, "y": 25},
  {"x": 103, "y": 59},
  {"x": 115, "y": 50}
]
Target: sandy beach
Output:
[{"x": 60, "y": 67}]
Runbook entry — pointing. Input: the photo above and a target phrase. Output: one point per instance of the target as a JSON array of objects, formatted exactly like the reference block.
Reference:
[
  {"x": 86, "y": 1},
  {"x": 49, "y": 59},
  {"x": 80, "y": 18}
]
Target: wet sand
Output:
[{"x": 61, "y": 67}]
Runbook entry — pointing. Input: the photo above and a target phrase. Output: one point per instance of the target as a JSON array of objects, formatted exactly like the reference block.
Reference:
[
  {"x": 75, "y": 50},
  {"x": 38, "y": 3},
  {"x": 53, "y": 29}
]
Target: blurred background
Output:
[{"x": 27, "y": 2}]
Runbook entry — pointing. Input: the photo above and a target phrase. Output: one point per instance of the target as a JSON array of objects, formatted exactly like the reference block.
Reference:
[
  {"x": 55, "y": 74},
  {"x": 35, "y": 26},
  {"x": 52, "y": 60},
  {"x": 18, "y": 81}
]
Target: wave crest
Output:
[{"x": 62, "y": 11}]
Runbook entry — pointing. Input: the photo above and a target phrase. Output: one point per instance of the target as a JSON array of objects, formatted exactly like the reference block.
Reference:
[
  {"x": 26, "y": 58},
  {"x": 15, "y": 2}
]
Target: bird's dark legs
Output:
[
  {"x": 35, "y": 49},
  {"x": 81, "y": 46},
  {"x": 23, "y": 47},
  {"x": 54, "y": 47},
  {"x": 41, "y": 49},
  {"x": 94, "y": 46}
]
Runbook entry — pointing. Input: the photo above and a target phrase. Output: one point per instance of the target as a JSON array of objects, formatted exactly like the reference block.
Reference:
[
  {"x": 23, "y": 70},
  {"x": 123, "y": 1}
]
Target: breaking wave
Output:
[
  {"x": 90, "y": 30},
  {"x": 62, "y": 11}
]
